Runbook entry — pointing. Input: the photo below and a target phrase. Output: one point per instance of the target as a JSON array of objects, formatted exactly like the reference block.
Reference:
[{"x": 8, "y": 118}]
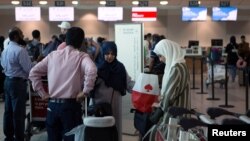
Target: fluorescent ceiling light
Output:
[
  {"x": 43, "y": 2},
  {"x": 163, "y": 2},
  {"x": 15, "y": 2},
  {"x": 135, "y": 2},
  {"x": 199, "y": 2},
  {"x": 102, "y": 2},
  {"x": 75, "y": 2}
]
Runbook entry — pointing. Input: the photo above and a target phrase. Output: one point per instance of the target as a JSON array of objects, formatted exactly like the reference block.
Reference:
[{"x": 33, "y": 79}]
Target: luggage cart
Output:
[
  {"x": 219, "y": 75},
  {"x": 36, "y": 117},
  {"x": 216, "y": 57}
]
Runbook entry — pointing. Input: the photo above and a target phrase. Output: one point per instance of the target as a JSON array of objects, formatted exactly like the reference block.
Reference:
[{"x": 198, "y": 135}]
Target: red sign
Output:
[
  {"x": 39, "y": 107},
  {"x": 144, "y": 14}
]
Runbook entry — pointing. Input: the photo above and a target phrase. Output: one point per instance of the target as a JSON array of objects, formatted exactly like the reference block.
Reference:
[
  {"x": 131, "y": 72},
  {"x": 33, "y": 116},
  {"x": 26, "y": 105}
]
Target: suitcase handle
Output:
[{"x": 86, "y": 106}]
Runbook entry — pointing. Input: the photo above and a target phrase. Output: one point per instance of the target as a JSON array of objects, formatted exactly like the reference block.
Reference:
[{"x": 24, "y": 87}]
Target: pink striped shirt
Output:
[{"x": 69, "y": 72}]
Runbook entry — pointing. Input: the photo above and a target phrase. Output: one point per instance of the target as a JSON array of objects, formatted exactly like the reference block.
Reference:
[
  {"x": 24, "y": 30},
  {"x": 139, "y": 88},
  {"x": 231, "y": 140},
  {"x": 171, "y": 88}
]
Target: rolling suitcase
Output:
[
  {"x": 241, "y": 78},
  {"x": 99, "y": 128}
]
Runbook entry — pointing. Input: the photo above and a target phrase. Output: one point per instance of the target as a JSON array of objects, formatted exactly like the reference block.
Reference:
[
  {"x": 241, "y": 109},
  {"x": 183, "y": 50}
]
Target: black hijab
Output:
[
  {"x": 114, "y": 73},
  {"x": 233, "y": 40}
]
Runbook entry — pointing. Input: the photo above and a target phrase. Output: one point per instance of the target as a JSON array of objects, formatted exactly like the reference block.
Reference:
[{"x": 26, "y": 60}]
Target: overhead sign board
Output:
[
  {"x": 59, "y": 3},
  {"x": 27, "y": 13},
  {"x": 144, "y": 14},
  {"x": 26, "y": 3},
  {"x": 110, "y": 3},
  {"x": 143, "y": 3},
  {"x": 224, "y": 13},
  {"x": 224, "y": 3},
  {"x": 193, "y": 3},
  {"x": 110, "y": 13},
  {"x": 61, "y": 13}
]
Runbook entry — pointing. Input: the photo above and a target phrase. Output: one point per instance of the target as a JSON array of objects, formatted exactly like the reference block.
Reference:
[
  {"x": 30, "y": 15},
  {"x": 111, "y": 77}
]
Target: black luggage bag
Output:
[{"x": 99, "y": 128}]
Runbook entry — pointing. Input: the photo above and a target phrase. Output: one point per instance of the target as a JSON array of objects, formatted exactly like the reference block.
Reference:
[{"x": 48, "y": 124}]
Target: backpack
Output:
[
  {"x": 34, "y": 50},
  {"x": 50, "y": 46},
  {"x": 100, "y": 107}
]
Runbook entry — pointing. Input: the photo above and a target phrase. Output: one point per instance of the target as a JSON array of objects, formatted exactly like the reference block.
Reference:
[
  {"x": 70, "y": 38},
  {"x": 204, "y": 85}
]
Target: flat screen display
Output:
[
  {"x": 224, "y": 13},
  {"x": 27, "y": 13},
  {"x": 144, "y": 13},
  {"x": 194, "y": 13},
  {"x": 61, "y": 13},
  {"x": 110, "y": 13}
]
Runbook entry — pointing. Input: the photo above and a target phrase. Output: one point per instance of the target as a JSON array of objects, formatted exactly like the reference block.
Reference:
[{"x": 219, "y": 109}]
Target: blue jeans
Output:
[
  {"x": 232, "y": 70},
  {"x": 14, "y": 112},
  {"x": 61, "y": 118}
]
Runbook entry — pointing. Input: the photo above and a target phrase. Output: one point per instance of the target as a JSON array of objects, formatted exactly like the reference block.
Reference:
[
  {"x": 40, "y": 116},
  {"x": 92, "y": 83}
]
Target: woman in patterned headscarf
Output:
[{"x": 175, "y": 83}]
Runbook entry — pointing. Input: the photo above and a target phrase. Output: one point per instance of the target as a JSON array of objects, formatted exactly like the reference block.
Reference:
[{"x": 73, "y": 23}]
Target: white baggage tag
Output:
[{"x": 234, "y": 50}]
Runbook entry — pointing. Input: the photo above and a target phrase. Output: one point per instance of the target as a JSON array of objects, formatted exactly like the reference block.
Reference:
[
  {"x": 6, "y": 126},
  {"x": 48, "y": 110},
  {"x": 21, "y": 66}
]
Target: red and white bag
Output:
[{"x": 145, "y": 92}]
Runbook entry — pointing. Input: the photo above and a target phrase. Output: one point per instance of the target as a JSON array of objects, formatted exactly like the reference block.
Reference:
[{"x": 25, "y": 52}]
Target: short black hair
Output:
[
  {"x": 74, "y": 37},
  {"x": 242, "y": 37},
  {"x": 100, "y": 40},
  {"x": 62, "y": 37},
  {"x": 149, "y": 35},
  {"x": 13, "y": 34},
  {"x": 36, "y": 34},
  {"x": 54, "y": 37}
]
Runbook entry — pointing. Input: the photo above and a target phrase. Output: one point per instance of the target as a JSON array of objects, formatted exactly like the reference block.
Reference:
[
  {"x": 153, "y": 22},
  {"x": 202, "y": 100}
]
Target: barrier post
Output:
[
  {"x": 212, "y": 67},
  {"x": 226, "y": 92},
  {"x": 247, "y": 83},
  {"x": 193, "y": 61},
  {"x": 202, "y": 83}
]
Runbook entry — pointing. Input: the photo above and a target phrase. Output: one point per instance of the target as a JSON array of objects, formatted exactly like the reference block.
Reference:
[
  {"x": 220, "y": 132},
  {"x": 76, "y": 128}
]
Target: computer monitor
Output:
[
  {"x": 193, "y": 43},
  {"x": 216, "y": 42}
]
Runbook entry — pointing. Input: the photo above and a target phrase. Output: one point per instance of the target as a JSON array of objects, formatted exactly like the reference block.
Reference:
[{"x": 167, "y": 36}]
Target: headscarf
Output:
[
  {"x": 173, "y": 54},
  {"x": 233, "y": 40},
  {"x": 114, "y": 73}
]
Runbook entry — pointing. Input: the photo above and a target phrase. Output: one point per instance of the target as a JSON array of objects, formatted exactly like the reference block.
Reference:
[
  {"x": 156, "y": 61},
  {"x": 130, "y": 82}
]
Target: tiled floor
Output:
[{"x": 236, "y": 97}]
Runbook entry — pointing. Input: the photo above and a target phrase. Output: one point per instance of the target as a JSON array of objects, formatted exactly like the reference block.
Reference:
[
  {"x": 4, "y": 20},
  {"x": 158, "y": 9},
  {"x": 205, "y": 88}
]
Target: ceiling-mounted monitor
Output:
[
  {"x": 110, "y": 13},
  {"x": 27, "y": 13},
  {"x": 194, "y": 13},
  {"x": 224, "y": 13},
  {"x": 144, "y": 13},
  {"x": 61, "y": 13}
]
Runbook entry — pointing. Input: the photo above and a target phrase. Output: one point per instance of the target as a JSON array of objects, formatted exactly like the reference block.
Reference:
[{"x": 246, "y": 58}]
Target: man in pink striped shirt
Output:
[{"x": 71, "y": 75}]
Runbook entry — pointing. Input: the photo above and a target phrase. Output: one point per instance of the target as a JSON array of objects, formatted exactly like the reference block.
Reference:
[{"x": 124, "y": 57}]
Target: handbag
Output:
[
  {"x": 156, "y": 115},
  {"x": 145, "y": 92}
]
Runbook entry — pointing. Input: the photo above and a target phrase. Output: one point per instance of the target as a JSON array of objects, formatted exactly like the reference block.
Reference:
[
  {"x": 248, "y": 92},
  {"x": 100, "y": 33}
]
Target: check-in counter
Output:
[{"x": 193, "y": 55}]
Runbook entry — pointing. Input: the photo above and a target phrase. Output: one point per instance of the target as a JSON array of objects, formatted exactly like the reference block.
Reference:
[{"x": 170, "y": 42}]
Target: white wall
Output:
[{"x": 169, "y": 24}]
